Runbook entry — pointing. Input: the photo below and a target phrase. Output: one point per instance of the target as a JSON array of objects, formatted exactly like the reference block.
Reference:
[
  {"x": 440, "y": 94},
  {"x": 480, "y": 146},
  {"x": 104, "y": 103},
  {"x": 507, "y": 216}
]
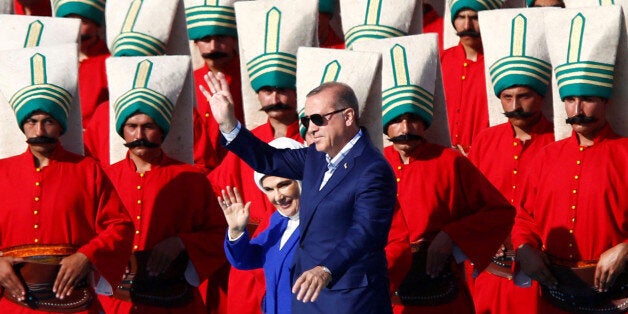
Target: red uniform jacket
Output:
[
  {"x": 440, "y": 190},
  {"x": 574, "y": 199},
  {"x": 93, "y": 86},
  {"x": 465, "y": 95},
  {"x": 172, "y": 199},
  {"x": 70, "y": 201},
  {"x": 504, "y": 160}
]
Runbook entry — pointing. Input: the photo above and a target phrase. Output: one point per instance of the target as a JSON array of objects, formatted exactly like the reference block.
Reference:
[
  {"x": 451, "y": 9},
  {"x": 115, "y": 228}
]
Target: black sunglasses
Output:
[{"x": 317, "y": 119}]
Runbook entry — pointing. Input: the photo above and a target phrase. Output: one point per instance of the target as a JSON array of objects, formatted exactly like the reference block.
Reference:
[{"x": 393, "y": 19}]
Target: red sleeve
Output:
[
  {"x": 204, "y": 243},
  {"x": 110, "y": 249},
  {"x": 486, "y": 216},
  {"x": 397, "y": 249}
]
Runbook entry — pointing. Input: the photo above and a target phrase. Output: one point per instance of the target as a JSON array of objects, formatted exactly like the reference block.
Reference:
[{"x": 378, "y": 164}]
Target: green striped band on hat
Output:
[
  {"x": 412, "y": 99},
  {"x": 205, "y": 20},
  {"x": 361, "y": 32},
  {"x": 582, "y": 78},
  {"x": 475, "y": 5},
  {"x": 520, "y": 70},
  {"x": 134, "y": 44},
  {"x": 33, "y": 35},
  {"x": 273, "y": 68},
  {"x": 585, "y": 79},
  {"x": 91, "y": 9},
  {"x": 405, "y": 97},
  {"x": 141, "y": 99},
  {"x": 41, "y": 96},
  {"x": 371, "y": 28}
]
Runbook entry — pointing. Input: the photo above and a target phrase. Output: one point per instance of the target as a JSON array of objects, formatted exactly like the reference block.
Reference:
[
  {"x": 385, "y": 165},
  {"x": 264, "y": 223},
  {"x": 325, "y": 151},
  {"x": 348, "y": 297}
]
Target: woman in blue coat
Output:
[{"x": 274, "y": 247}]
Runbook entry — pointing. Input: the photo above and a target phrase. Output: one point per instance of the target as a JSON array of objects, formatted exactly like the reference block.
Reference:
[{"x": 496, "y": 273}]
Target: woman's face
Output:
[{"x": 283, "y": 193}]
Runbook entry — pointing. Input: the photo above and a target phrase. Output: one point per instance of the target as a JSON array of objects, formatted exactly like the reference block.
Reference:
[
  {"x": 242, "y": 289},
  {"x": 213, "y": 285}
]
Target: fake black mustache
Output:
[
  {"x": 214, "y": 55},
  {"x": 468, "y": 33},
  {"x": 276, "y": 107},
  {"x": 580, "y": 119},
  {"x": 41, "y": 140},
  {"x": 86, "y": 37},
  {"x": 519, "y": 113},
  {"x": 141, "y": 143},
  {"x": 405, "y": 138}
]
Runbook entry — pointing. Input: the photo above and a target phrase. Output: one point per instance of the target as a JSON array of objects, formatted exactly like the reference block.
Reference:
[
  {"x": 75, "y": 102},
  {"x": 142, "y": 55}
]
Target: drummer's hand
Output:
[
  {"x": 534, "y": 263},
  {"x": 8, "y": 278},
  {"x": 437, "y": 254},
  {"x": 612, "y": 263},
  {"x": 73, "y": 269},
  {"x": 163, "y": 254}
]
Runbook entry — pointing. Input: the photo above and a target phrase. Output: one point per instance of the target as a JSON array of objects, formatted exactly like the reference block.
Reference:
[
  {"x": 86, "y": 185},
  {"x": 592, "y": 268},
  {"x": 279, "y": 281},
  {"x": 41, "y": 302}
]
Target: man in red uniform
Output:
[
  {"x": 573, "y": 207},
  {"x": 446, "y": 206},
  {"x": 170, "y": 201},
  {"x": 212, "y": 27},
  {"x": 52, "y": 197},
  {"x": 92, "y": 73},
  {"x": 463, "y": 74},
  {"x": 503, "y": 152},
  {"x": 93, "y": 53},
  {"x": 327, "y": 37},
  {"x": 135, "y": 29},
  {"x": 275, "y": 103}
]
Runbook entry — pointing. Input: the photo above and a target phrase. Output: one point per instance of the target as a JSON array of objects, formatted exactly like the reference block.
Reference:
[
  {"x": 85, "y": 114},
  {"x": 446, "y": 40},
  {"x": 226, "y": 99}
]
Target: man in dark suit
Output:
[{"x": 347, "y": 204}]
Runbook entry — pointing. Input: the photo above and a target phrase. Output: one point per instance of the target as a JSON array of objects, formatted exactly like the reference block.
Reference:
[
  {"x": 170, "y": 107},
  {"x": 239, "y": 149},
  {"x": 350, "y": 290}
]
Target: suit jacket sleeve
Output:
[
  {"x": 372, "y": 215},
  {"x": 263, "y": 158},
  {"x": 243, "y": 253}
]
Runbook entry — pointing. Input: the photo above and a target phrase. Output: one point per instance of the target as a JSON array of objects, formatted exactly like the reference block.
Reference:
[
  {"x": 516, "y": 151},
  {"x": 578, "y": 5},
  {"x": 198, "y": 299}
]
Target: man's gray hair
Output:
[{"x": 345, "y": 97}]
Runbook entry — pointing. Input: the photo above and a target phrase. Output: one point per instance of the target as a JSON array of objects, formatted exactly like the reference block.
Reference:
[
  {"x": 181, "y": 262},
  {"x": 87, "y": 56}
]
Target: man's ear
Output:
[{"x": 349, "y": 116}]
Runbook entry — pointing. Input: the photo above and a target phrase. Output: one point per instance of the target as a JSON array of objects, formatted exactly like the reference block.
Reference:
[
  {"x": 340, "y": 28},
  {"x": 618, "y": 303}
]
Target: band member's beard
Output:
[
  {"x": 276, "y": 107},
  {"x": 214, "y": 55},
  {"x": 405, "y": 138},
  {"x": 41, "y": 140},
  {"x": 580, "y": 119},
  {"x": 519, "y": 113},
  {"x": 468, "y": 33},
  {"x": 141, "y": 143}
]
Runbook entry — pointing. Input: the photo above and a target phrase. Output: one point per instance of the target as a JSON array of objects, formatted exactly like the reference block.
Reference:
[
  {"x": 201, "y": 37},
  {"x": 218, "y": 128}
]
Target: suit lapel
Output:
[{"x": 315, "y": 197}]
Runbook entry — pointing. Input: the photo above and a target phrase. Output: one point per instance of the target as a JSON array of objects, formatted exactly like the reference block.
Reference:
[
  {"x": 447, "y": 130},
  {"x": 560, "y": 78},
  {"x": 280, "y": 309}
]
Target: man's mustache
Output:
[
  {"x": 41, "y": 140},
  {"x": 141, "y": 143},
  {"x": 405, "y": 138},
  {"x": 468, "y": 33},
  {"x": 580, "y": 119},
  {"x": 519, "y": 113},
  {"x": 276, "y": 107},
  {"x": 214, "y": 55}
]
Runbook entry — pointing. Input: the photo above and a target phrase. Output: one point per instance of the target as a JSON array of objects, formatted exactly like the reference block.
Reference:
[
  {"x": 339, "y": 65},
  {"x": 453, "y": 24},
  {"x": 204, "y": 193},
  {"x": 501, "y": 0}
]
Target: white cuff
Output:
[{"x": 233, "y": 133}]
